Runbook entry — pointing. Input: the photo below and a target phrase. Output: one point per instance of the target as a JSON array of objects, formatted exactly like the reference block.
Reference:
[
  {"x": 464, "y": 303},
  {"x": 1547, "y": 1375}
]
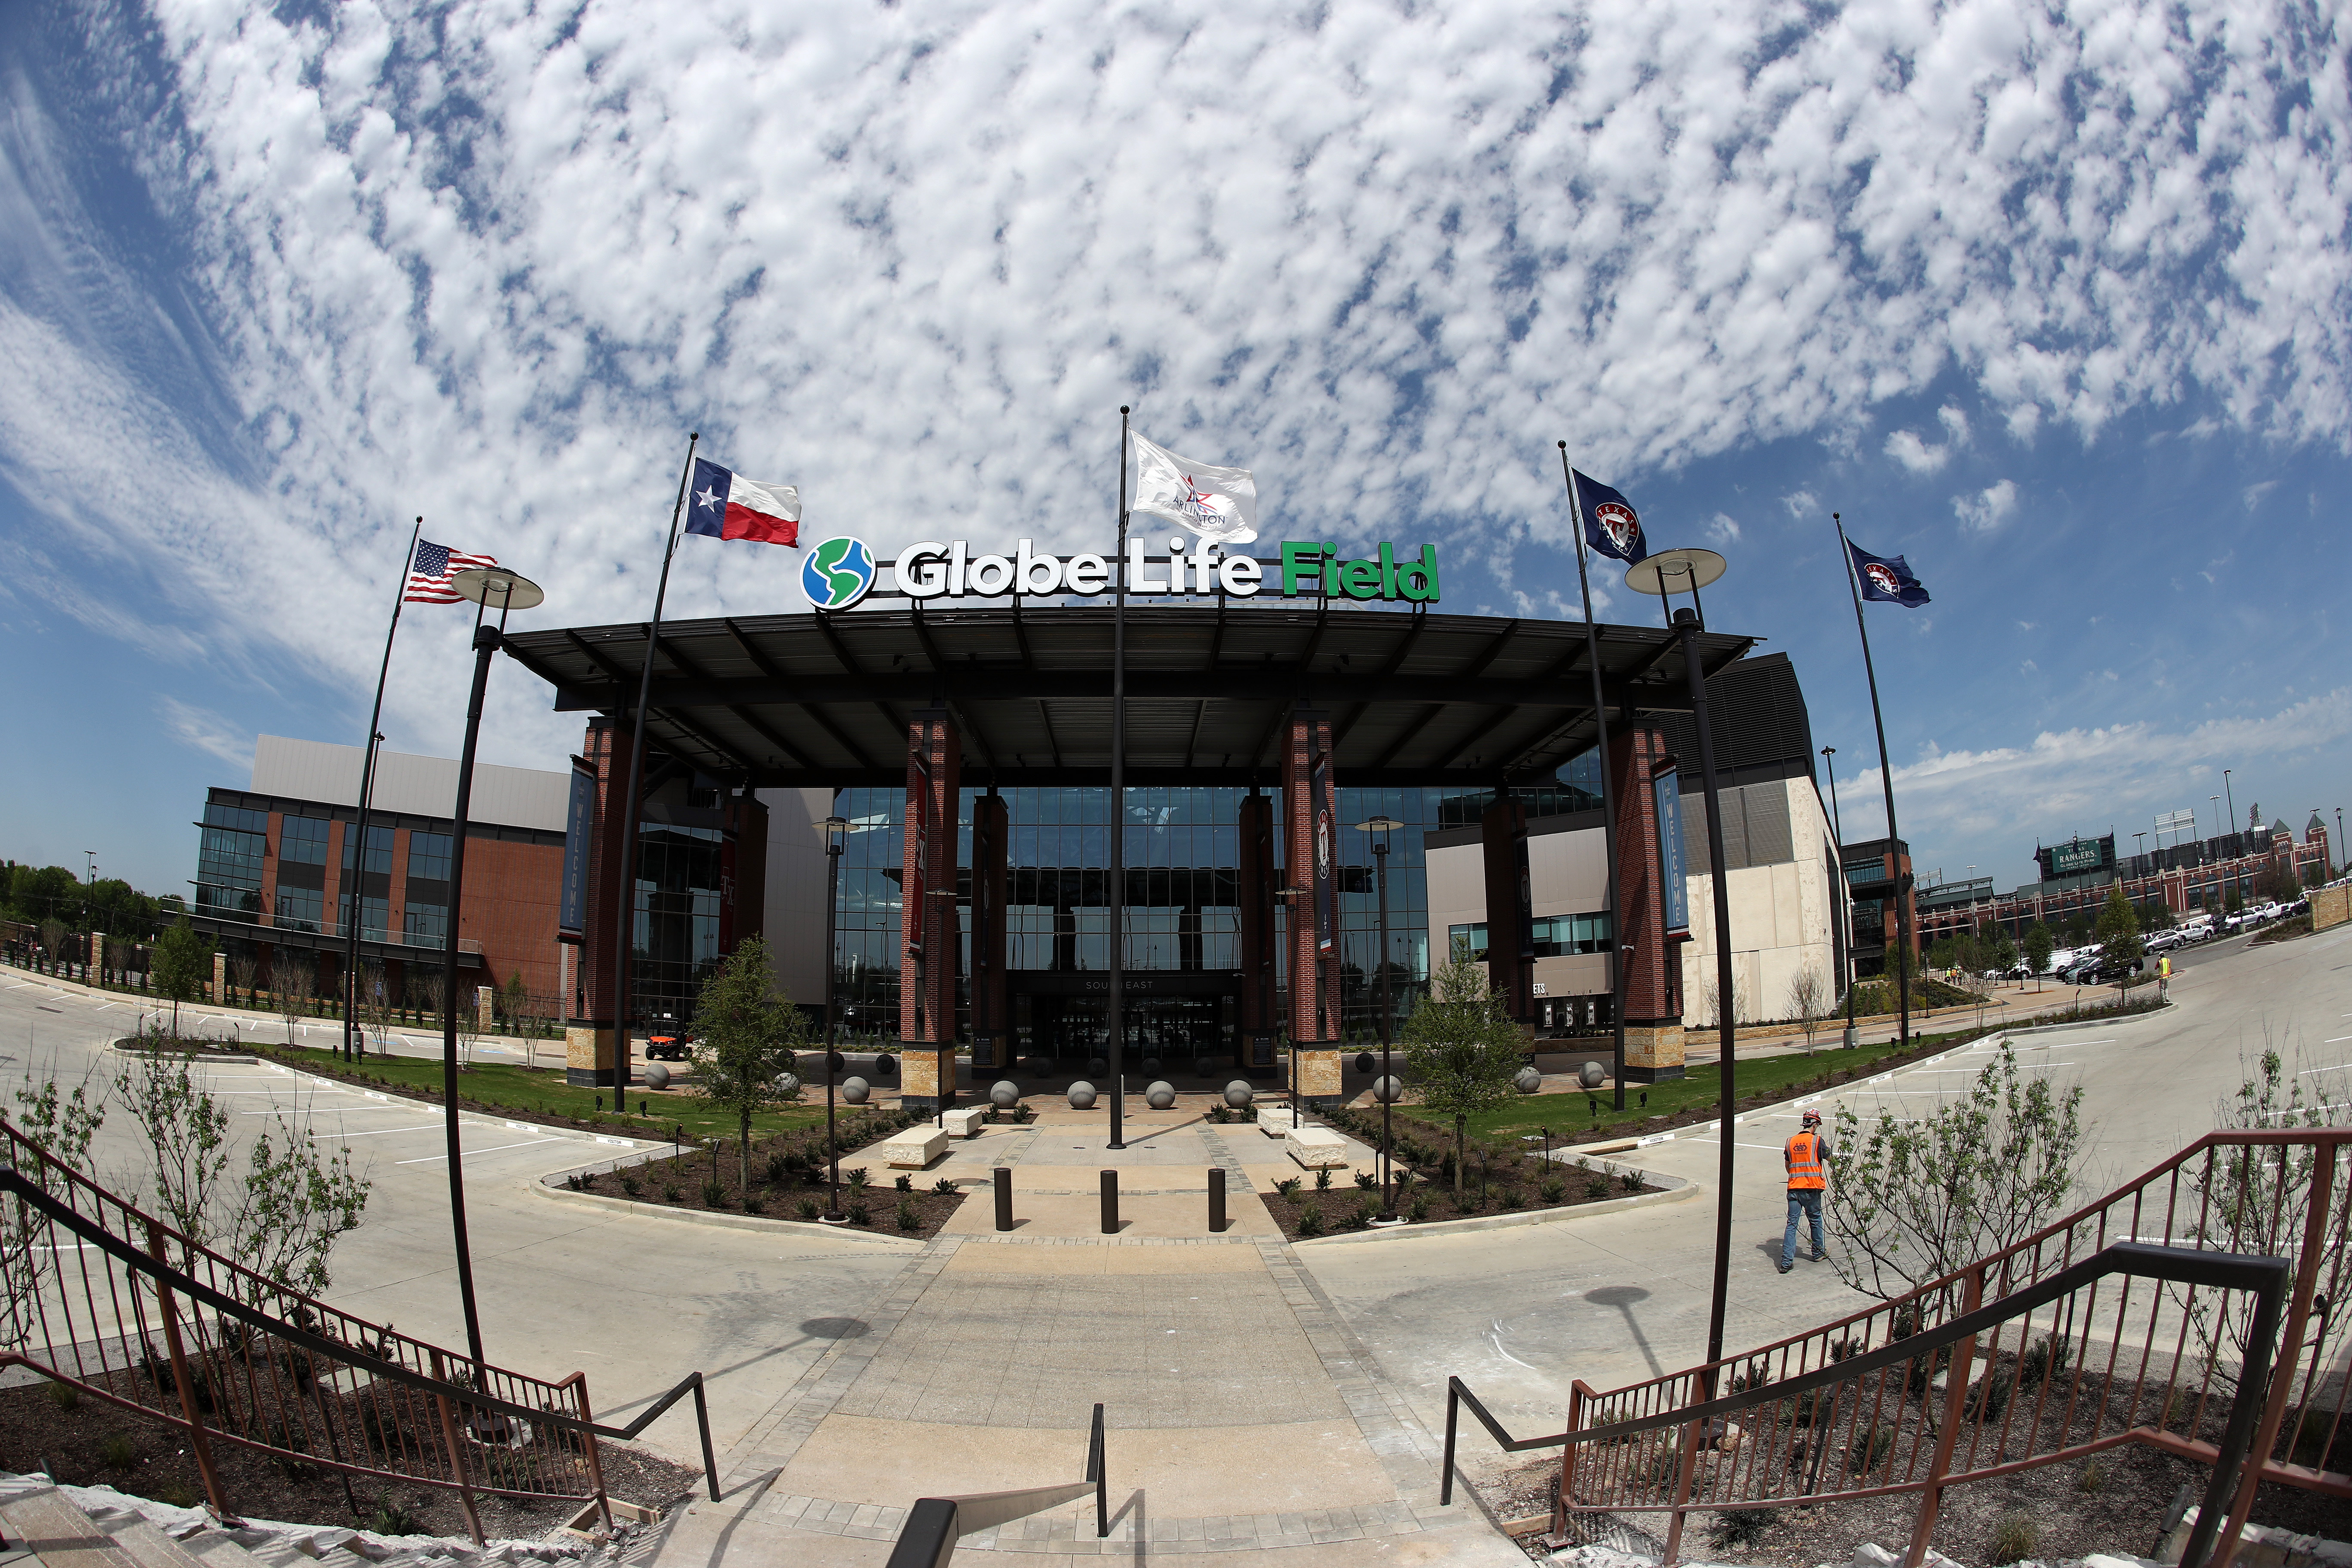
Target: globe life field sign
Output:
[{"x": 839, "y": 572}]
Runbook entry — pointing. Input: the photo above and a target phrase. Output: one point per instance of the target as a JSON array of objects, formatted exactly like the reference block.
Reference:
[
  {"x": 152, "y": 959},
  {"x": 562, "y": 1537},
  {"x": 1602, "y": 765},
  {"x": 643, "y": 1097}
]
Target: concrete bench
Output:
[
  {"x": 964, "y": 1123},
  {"x": 915, "y": 1148},
  {"x": 1316, "y": 1147},
  {"x": 1274, "y": 1120}
]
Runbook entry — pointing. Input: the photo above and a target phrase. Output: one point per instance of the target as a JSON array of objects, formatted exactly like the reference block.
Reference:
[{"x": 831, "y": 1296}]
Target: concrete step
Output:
[{"x": 60, "y": 1535}]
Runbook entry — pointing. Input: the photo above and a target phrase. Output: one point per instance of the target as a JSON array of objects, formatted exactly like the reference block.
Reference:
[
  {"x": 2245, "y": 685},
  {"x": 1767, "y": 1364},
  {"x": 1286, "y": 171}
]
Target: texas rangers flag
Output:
[
  {"x": 1611, "y": 524},
  {"x": 726, "y": 505},
  {"x": 1886, "y": 577},
  {"x": 1216, "y": 503}
]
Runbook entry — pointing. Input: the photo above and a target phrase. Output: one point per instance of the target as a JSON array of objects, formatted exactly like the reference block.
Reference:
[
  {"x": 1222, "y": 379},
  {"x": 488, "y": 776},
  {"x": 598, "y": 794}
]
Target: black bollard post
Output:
[
  {"x": 1216, "y": 1200},
  {"x": 1004, "y": 1197},
  {"x": 1111, "y": 1203}
]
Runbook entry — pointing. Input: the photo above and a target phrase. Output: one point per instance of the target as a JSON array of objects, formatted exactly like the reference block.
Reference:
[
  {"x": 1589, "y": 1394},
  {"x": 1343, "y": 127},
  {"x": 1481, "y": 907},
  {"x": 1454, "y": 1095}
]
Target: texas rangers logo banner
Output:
[
  {"x": 1611, "y": 524},
  {"x": 1886, "y": 578},
  {"x": 1213, "y": 502}
]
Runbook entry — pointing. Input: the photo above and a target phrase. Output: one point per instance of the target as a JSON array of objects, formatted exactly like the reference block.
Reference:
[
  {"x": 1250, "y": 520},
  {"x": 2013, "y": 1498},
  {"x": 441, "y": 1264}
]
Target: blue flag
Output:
[
  {"x": 1886, "y": 577},
  {"x": 1610, "y": 525}
]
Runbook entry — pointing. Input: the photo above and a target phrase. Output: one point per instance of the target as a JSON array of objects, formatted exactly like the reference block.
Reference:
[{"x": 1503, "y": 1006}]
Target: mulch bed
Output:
[
  {"x": 1498, "y": 1178},
  {"x": 150, "y": 1460},
  {"x": 788, "y": 1181}
]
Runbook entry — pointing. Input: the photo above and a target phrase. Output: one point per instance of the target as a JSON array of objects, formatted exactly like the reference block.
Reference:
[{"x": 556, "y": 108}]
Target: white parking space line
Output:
[
  {"x": 2339, "y": 1067},
  {"x": 380, "y": 1132},
  {"x": 526, "y": 1144},
  {"x": 1768, "y": 1148}
]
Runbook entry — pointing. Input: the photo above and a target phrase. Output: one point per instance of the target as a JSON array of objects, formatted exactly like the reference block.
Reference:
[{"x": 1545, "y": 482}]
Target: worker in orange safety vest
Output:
[{"x": 1808, "y": 1159}]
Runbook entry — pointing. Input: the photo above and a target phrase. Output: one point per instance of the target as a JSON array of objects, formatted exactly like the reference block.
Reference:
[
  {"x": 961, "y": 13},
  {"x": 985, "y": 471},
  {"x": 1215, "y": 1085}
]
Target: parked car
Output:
[
  {"x": 2164, "y": 941},
  {"x": 2081, "y": 971}
]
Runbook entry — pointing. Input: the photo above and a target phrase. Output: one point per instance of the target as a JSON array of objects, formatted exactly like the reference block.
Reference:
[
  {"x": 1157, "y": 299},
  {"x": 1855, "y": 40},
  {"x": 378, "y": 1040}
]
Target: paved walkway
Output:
[{"x": 1242, "y": 1413}]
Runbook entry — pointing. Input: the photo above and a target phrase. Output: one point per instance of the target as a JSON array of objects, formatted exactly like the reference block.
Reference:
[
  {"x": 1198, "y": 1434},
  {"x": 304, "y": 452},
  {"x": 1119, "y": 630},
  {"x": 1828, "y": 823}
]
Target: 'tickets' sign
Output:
[{"x": 837, "y": 573}]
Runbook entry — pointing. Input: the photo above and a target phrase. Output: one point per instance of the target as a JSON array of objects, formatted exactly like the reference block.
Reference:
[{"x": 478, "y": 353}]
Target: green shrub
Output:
[
  {"x": 1323, "y": 1179},
  {"x": 1744, "y": 1527},
  {"x": 860, "y": 1214},
  {"x": 2013, "y": 1539},
  {"x": 390, "y": 1519},
  {"x": 753, "y": 1203},
  {"x": 905, "y": 1184},
  {"x": 713, "y": 1195},
  {"x": 1512, "y": 1198},
  {"x": 118, "y": 1454},
  {"x": 806, "y": 1208},
  {"x": 1310, "y": 1220},
  {"x": 1630, "y": 1180},
  {"x": 1419, "y": 1207},
  {"x": 1367, "y": 1181},
  {"x": 64, "y": 1395},
  {"x": 908, "y": 1218},
  {"x": 1288, "y": 1186},
  {"x": 1869, "y": 1448},
  {"x": 2045, "y": 1360},
  {"x": 1367, "y": 1210},
  {"x": 1596, "y": 1187},
  {"x": 630, "y": 1186},
  {"x": 2093, "y": 1478},
  {"x": 1553, "y": 1189},
  {"x": 1992, "y": 1396},
  {"x": 671, "y": 1191},
  {"x": 856, "y": 1177},
  {"x": 780, "y": 1169}
]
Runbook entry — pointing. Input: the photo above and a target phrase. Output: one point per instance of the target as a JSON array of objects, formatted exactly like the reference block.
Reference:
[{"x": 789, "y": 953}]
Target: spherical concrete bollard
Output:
[
  {"x": 1004, "y": 1094},
  {"x": 1082, "y": 1096},
  {"x": 855, "y": 1091},
  {"x": 1239, "y": 1093},
  {"x": 1387, "y": 1091},
  {"x": 1150, "y": 1066},
  {"x": 656, "y": 1076},
  {"x": 787, "y": 1084},
  {"x": 1528, "y": 1081},
  {"x": 885, "y": 1065},
  {"x": 1097, "y": 1066},
  {"x": 1161, "y": 1095},
  {"x": 1201, "y": 1066},
  {"x": 1593, "y": 1075}
]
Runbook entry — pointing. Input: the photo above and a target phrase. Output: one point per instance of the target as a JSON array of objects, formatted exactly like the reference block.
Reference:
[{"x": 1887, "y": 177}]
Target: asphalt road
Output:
[
  {"x": 635, "y": 1302},
  {"x": 1520, "y": 1313}
]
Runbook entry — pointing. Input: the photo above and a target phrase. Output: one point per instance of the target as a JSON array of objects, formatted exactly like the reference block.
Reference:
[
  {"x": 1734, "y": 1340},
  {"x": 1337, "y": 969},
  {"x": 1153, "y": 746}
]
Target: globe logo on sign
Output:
[{"x": 837, "y": 573}]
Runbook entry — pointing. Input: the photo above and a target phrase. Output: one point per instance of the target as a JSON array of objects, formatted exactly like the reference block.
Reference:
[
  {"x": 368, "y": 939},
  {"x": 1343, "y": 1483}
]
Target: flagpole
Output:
[
  {"x": 1608, "y": 791},
  {"x": 367, "y": 786},
  {"x": 626, "y": 899},
  {"x": 1119, "y": 815},
  {"x": 1886, "y": 781}
]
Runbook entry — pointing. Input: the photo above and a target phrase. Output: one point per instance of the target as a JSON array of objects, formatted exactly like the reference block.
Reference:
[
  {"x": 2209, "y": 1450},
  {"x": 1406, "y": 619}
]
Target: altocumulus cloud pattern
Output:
[{"x": 912, "y": 257}]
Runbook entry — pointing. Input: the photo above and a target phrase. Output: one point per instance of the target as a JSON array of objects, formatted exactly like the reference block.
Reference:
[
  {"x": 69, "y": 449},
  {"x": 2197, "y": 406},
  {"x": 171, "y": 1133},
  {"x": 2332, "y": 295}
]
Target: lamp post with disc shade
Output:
[
  {"x": 489, "y": 587},
  {"x": 1663, "y": 574}
]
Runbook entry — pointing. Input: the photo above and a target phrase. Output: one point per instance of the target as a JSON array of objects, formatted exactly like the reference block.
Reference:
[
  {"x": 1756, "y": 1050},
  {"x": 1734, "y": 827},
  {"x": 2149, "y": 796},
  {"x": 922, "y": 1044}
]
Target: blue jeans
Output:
[{"x": 1804, "y": 1202}]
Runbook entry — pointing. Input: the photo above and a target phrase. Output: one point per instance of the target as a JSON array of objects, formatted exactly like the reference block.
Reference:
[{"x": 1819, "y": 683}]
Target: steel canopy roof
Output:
[{"x": 823, "y": 700}]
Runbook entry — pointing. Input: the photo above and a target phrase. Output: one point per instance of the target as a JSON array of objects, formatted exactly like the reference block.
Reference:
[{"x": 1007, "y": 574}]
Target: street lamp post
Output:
[
  {"x": 1383, "y": 826},
  {"x": 1844, "y": 899},
  {"x": 836, "y": 831},
  {"x": 1660, "y": 573},
  {"x": 509, "y": 591},
  {"x": 2232, "y": 817}
]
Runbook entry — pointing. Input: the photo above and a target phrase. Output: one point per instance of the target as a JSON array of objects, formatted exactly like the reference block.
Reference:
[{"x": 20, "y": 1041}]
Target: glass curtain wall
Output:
[
  {"x": 375, "y": 883},
  {"x": 1359, "y": 912},
  {"x": 676, "y": 932},
  {"x": 866, "y": 921}
]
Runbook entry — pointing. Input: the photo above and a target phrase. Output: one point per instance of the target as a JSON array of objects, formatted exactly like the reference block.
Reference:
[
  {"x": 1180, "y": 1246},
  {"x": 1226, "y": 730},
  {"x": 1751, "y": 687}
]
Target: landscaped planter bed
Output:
[{"x": 787, "y": 1181}]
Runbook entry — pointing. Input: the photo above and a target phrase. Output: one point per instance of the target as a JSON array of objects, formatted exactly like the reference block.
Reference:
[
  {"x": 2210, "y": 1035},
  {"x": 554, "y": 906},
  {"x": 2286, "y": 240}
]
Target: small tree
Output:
[
  {"x": 514, "y": 1001},
  {"x": 1810, "y": 1001},
  {"x": 1462, "y": 1048},
  {"x": 292, "y": 981},
  {"x": 750, "y": 1033},
  {"x": 2038, "y": 946},
  {"x": 186, "y": 1132},
  {"x": 182, "y": 965},
  {"x": 297, "y": 1200},
  {"x": 2119, "y": 943},
  {"x": 53, "y": 942},
  {"x": 1921, "y": 1197},
  {"x": 60, "y": 1126}
]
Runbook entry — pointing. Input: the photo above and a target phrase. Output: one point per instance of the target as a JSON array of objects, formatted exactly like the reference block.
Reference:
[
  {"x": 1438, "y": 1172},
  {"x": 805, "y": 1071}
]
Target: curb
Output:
[
  {"x": 475, "y": 1117},
  {"x": 724, "y": 1221},
  {"x": 1676, "y": 1193},
  {"x": 225, "y": 1058}
]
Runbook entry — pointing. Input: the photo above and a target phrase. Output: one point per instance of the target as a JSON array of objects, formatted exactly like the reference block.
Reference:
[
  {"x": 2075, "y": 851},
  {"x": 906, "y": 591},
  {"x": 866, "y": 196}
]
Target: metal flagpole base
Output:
[
  {"x": 1851, "y": 1038},
  {"x": 832, "y": 1219},
  {"x": 1385, "y": 1220}
]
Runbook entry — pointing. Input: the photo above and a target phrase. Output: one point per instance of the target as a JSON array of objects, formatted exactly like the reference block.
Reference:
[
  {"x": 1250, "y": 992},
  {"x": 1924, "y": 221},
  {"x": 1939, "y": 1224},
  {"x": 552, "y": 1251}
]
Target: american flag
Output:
[{"x": 430, "y": 575}]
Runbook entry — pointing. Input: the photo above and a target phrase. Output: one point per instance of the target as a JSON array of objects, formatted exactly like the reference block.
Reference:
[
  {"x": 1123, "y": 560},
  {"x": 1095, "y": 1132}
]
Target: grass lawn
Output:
[
  {"x": 1568, "y": 1115},
  {"x": 544, "y": 1092}
]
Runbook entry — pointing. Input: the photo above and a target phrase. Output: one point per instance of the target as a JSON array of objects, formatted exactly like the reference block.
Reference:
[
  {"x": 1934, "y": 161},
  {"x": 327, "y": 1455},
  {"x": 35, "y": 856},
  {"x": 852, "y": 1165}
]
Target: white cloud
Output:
[
  {"x": 1987, "y": 509},
  {"x": 1723, "y": 529},
  {"x": 490, "y": 264},
  {"x": 207, "y": 732},
  {"x": 1802, "y": 504},
  {"x": 2090, "y": 774},
  {"x": 1906, "y": 447},
  {"x": 2257, "y": 491}
]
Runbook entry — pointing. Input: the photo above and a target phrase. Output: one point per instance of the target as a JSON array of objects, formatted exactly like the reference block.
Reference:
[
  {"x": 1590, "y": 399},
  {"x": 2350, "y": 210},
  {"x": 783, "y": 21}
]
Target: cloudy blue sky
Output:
[{"x": 2052, "y": 300}]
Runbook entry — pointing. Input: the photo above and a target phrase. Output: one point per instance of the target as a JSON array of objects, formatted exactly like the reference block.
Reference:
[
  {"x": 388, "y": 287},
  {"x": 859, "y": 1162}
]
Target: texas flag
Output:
[{"x": 726, "y": 505}]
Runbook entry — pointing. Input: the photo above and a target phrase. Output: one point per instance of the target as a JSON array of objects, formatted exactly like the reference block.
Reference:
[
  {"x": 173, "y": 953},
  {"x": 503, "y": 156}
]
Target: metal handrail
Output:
[
  {"x": 934, "y": 1524},
  {"x": 459, "y": 1392},
  {"x": 2268, "y": 1278}
]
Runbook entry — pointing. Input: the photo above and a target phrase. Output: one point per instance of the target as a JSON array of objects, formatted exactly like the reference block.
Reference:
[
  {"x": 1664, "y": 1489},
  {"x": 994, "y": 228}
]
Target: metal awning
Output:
[{"x": 818, "y": 700}]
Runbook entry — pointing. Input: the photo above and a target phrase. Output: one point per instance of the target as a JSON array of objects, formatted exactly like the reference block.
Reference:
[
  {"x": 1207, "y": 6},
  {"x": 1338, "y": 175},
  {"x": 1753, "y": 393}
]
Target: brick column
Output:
[
  {"x": 991, "y": 1014},
  {"x": 1650, "y": 954},
  {"x": 588, "y": 1022},
  {"x": 220, "y": 978},
  {"x": 1311, "y": 847},
  {"x": 1258, "y": 877},
  {"x": 928, "y": 931},
  {"x": 1510, "y": 949}
]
